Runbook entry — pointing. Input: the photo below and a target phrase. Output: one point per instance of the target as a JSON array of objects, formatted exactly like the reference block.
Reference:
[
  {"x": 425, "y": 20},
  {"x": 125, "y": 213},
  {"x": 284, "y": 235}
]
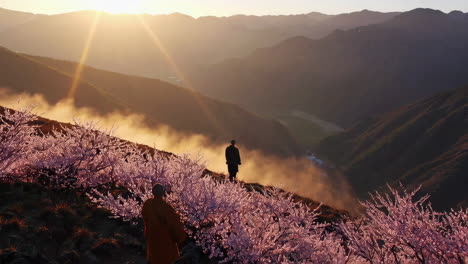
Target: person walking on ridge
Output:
[
  {"x": 233, "y": 160},
  {"x": 164, "y": 231}
]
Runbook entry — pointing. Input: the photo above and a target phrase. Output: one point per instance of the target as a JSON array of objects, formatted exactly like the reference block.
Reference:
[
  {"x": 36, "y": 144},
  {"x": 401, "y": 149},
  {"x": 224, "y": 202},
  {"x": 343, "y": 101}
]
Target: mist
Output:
[{"x": 297, "y": 175}]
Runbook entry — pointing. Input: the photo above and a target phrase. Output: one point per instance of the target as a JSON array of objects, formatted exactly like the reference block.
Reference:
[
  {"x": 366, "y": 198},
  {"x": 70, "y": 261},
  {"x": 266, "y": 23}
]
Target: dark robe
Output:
[
  {"x": 163, "y": 231},
  {"x": 233, "y": 161}
]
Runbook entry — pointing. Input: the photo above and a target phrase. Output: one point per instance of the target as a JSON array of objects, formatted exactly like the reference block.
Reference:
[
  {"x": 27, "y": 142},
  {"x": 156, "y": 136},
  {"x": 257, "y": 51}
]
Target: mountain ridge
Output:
[
  {"x": 311, "y": 13},
  {"x": 11, "y": 18},
  {"x": 350, "y": 74},
  {"x": 124, "y": 43},
  {"x": 117, "y": 92},
  {"x": 424, "y": 143}
]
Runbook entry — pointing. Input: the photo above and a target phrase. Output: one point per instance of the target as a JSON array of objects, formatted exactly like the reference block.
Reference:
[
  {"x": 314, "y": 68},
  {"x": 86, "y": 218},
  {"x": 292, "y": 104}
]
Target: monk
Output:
[
  {"x": 233, "y": 160},
  {"x": 163, "y": 230}
]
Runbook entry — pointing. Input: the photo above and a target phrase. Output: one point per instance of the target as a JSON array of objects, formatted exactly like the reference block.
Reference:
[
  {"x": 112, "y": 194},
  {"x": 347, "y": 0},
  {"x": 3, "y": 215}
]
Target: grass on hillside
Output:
[{"x": 42, "y": 226}]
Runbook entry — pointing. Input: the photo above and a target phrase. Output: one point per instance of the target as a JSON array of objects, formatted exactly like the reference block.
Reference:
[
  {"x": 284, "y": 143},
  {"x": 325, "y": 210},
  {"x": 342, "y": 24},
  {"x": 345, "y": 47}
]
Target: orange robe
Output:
[{"x": 163, "y": 231}]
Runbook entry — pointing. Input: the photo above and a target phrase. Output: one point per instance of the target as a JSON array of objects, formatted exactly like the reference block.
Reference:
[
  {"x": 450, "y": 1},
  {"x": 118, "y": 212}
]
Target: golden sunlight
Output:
[{"x": 119, "y": 6}]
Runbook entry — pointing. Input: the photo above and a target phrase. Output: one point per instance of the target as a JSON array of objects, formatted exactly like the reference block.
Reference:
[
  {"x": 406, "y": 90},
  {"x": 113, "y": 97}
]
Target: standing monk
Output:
[
  {"x": 163, "y": 230},
  {"x": 233, "y": 160}
]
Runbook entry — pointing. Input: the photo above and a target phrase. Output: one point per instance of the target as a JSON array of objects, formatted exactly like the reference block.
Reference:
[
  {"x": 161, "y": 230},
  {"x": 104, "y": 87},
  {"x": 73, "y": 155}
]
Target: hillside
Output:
[
  {"x": 328, "y": 214},
  {"x": 351, "y": 74},
  {"x": 38, "y": 225},
  {"x": 422, "y": 143},
  {"x": 21, "y": 74},
  {"x": 42, "y": 221},
  {"x": 122, "y": 43},
  {"x": 228, "y": 221},
  {"x": 161, "y": 103}
]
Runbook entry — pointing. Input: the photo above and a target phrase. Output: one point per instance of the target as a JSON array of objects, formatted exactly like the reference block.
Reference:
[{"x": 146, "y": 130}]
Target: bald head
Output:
[{"x": 159, "y": 190}]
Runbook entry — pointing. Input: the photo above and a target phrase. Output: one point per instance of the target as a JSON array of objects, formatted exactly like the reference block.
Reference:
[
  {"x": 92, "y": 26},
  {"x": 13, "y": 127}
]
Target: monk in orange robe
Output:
[{"x": 163, "y": 230}]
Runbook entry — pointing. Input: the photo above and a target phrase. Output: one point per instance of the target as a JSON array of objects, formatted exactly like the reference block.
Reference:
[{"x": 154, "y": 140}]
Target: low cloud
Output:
[{"x": 293, "y": 174}]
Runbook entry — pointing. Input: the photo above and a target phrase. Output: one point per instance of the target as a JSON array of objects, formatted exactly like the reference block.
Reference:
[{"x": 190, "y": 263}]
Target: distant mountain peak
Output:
[
  {"x": 422, "y": 17},
  {"x": 77, "y": 13},
  {"x": 180, "y": 15},
  {"x": 363, "y": 12},
  {"x": 4, "y": 10},
  {"x": 317, "y": 13},
  {"x": 422, "y": 12},
  {"x": 457, "y": 14}
]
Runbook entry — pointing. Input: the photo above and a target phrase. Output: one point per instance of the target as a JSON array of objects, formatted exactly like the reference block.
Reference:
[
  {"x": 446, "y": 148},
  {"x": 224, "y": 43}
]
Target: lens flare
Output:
[
  {"x": 172, "y": 63},
  {"x": 84, "y": 57}
]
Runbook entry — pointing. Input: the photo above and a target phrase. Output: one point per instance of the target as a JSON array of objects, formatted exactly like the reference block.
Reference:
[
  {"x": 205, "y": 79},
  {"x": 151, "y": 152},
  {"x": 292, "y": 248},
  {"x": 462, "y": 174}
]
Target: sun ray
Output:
[
  {"x": 172, "y": 63},
  {"x": 119, "y": 6},
  {"x": 84, "y": 57}
]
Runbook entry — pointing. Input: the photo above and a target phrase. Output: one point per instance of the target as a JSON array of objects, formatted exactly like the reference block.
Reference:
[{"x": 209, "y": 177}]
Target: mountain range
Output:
[
  {"x": 161, "y": 103},
  {"x": 160, "y": 46},
  {"x": 348, "y": 75},
  {"x": 424, "y": 143}
]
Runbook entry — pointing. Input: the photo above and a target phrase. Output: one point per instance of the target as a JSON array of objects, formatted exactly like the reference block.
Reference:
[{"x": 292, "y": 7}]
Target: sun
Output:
[{"x": 119, "y": 6}]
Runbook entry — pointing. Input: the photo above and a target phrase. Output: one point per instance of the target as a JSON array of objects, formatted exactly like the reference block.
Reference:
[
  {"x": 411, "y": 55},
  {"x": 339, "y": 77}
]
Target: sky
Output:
[{"x": 198, "y": 8}]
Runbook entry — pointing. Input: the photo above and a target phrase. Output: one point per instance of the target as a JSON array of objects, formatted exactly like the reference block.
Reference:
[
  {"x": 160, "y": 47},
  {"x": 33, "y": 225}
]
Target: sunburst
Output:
[{"x": 119, "y": 6}]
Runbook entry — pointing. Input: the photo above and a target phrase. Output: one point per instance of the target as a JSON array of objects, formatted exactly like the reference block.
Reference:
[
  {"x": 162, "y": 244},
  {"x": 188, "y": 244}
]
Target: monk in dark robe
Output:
[
  {"x": 164, "y": 231},
  {"x": 233, "y": 160}
]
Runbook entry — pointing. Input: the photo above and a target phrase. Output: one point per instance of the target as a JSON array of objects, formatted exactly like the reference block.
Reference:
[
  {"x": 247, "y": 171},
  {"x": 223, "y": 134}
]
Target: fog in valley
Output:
[{"x": 294, "y": 174}]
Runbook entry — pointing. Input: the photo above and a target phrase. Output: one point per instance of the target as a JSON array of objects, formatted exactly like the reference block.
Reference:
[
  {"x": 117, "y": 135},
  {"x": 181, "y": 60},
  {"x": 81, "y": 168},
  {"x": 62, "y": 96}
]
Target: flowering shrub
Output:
[
  {"x": 398, "y": 229},
  {"x": 78, "y": 157},
  {"x": 16, "y": 139},
  {"x": 230, "y": 223}
]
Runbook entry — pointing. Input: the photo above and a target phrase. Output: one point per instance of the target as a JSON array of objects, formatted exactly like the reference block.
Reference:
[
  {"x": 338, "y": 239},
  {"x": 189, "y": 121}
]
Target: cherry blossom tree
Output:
[
  {"x": 231, "y": 223},
  {"x": 16, "y": 138},
  {"x": 78, "y": 156},
  {"x": 398, "y": 228}
]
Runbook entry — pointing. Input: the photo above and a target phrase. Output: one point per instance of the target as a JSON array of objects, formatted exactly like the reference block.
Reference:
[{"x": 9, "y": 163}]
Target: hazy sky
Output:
[{"x": 229, "y": 7}]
